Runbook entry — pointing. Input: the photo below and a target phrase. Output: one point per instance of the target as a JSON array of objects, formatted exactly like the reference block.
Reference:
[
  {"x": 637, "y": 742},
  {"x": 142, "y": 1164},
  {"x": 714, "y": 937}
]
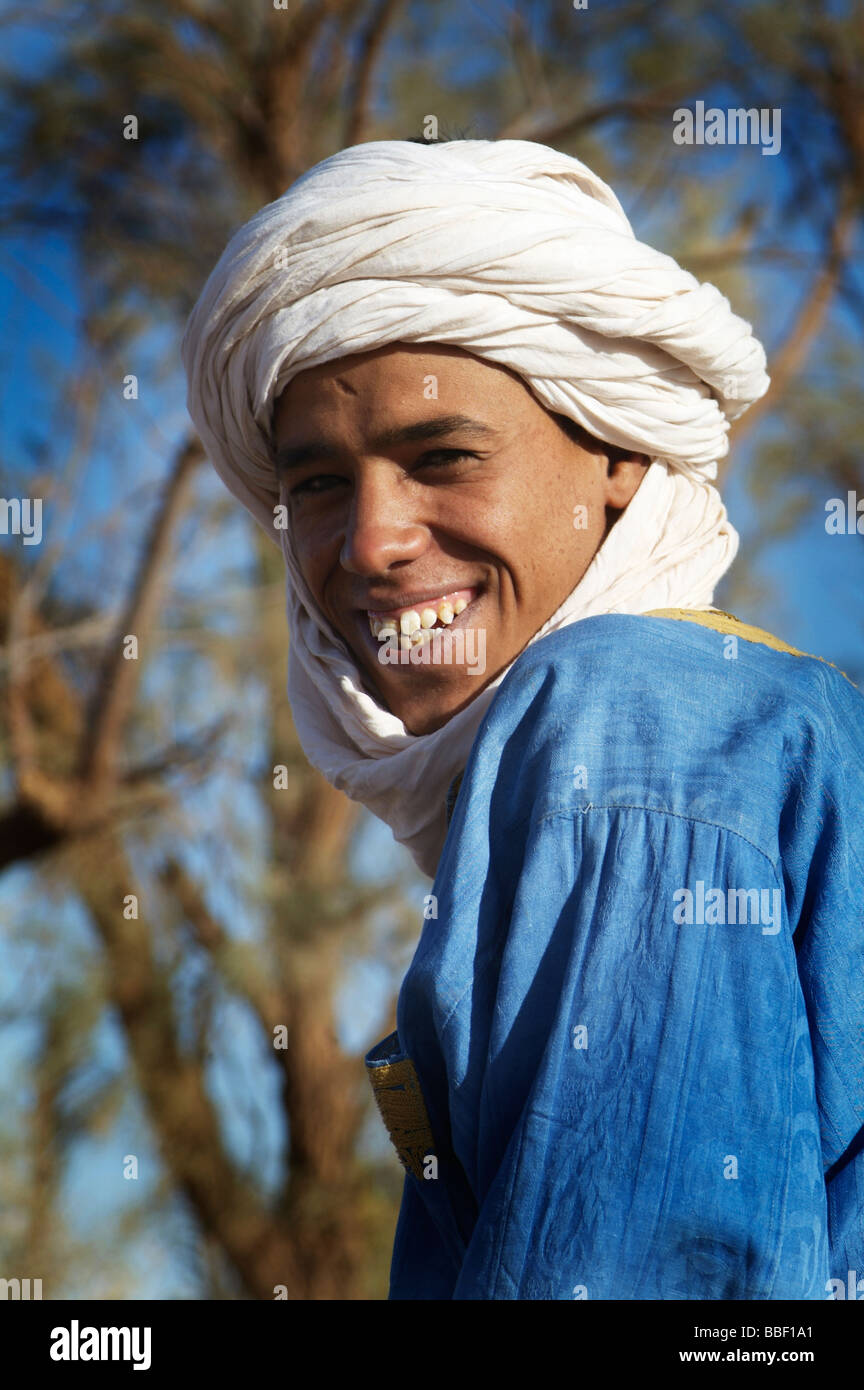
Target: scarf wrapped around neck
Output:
[{"x": 522, "y": 256}]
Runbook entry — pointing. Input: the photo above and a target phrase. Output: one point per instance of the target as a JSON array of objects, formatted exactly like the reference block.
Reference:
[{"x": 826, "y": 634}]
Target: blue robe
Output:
[{"x": 629, "y": 1058}]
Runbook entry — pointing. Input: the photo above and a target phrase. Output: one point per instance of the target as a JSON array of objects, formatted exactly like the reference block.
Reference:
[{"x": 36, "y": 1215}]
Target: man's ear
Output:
[
  {"x": 624, "y": 468},
  {"x": 624, "y": 474}
]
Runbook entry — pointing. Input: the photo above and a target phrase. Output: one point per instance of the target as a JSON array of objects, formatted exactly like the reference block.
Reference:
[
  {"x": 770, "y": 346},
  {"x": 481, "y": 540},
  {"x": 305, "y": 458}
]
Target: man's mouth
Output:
[{"x": 413, "y": 623}]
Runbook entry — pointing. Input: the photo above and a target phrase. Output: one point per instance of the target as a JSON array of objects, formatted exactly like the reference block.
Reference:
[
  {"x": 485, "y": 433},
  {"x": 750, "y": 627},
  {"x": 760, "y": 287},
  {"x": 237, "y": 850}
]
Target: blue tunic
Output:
[{"x": 629, "y": 1061}]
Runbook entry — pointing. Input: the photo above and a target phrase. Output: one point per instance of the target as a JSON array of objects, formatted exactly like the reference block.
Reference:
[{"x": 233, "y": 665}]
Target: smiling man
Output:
[
  {"x": 407, "y": 509},
  {"x": 462, "y": 396}
]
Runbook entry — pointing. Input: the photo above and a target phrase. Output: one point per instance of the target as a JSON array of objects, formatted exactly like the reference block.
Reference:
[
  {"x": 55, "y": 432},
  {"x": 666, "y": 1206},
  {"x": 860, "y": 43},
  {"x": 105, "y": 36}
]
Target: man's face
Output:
[{"x": 394, "y": 506}]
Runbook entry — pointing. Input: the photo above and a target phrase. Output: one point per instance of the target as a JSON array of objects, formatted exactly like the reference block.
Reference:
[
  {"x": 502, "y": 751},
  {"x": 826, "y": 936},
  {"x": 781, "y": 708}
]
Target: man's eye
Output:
[
  {"x": 322, "y": 482},
  {"x": 313, "y": 486},
  {"x": 437, "y": 456}
]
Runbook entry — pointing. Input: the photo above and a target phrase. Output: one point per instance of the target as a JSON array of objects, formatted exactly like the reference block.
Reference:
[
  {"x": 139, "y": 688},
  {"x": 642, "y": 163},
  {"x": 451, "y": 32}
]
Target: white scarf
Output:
[{"x": 522, "y": 256}]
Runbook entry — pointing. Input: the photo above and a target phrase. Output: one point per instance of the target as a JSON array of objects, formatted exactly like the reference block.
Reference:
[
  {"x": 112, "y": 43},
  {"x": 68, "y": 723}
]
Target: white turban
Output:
[{"x": 522, "y": 256}]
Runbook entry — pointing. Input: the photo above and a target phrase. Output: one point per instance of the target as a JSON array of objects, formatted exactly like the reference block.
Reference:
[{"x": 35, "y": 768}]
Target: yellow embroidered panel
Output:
[
  {"x": 399, "y": 1098},
  {"x": 719, "y": 621}
]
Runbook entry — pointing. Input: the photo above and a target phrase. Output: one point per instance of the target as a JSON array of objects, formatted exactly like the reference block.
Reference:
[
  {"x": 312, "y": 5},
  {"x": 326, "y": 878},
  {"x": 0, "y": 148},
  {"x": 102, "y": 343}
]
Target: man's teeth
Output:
[{"x": 412, "y": 627}]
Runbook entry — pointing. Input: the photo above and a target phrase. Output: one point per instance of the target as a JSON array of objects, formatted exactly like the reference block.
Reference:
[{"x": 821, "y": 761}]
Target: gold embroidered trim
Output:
[
  {"x": 399, "y": 1098},
  {"x": 719, "y": 621}
]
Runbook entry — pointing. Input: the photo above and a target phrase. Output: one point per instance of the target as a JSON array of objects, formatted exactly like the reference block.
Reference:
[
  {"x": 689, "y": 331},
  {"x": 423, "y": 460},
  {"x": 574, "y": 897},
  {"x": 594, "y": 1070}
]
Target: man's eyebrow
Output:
[{"x": 318, "y": 450}]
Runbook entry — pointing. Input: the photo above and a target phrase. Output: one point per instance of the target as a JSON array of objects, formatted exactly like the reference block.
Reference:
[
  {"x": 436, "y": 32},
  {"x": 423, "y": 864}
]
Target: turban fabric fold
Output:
[{"x": 522, "y": 256}]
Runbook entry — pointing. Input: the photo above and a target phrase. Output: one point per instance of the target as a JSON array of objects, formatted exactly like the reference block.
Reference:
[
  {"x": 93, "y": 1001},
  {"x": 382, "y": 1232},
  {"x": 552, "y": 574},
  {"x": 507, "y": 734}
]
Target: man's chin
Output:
[
  {"x": 429, "y": 716},
  {"x": 425, "y": 705}
]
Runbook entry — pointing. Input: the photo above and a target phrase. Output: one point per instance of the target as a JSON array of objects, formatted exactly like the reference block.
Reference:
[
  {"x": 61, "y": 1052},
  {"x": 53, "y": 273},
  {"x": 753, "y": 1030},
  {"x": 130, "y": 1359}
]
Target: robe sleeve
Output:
[
  {"x": 830, "y": 944},
  {"x": 632, "y": 1096}
]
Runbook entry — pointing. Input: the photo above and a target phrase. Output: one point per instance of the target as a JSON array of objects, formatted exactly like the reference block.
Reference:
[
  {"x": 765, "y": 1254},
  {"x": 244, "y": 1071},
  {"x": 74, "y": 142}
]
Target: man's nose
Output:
[{"x": 381, "y": 528}]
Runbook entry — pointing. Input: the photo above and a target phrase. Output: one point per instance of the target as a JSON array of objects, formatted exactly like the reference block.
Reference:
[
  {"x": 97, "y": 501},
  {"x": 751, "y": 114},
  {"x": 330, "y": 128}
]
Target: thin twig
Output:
[
  {"x": 115, "y": 691},
  {"x": 791, "y": 355},
  {"x": 371, "y": 44}
]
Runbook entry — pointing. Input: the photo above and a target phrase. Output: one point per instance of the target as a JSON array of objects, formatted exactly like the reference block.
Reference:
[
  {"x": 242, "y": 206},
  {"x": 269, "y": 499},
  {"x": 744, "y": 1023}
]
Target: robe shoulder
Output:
[
  {"x": 643, "y": 660},
  {"x": 671, "y": 715}
]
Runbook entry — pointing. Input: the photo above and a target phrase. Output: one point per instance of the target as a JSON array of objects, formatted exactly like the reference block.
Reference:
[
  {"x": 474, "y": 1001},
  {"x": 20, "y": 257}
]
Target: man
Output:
[{"x": 470, "y": 404}]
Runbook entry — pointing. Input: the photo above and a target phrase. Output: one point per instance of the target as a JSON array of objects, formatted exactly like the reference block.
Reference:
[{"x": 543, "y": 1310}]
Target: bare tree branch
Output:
[
  {"x": 791, "y": 355},
  {"x": 248, "y": 979},
  {"x": 22, "y": 736},
  {"x": 370, "y": 49},
  {"x": 657, "y": 103},
  {"x": 174, "y": 1087},
  {"x": 115, "y": 692}
]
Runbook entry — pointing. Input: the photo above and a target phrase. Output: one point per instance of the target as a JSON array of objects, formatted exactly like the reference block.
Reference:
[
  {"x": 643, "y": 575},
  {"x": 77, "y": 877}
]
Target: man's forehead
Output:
[
  {"x": 372, "y": 394},
  {"x": 408, "y": 363}
]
